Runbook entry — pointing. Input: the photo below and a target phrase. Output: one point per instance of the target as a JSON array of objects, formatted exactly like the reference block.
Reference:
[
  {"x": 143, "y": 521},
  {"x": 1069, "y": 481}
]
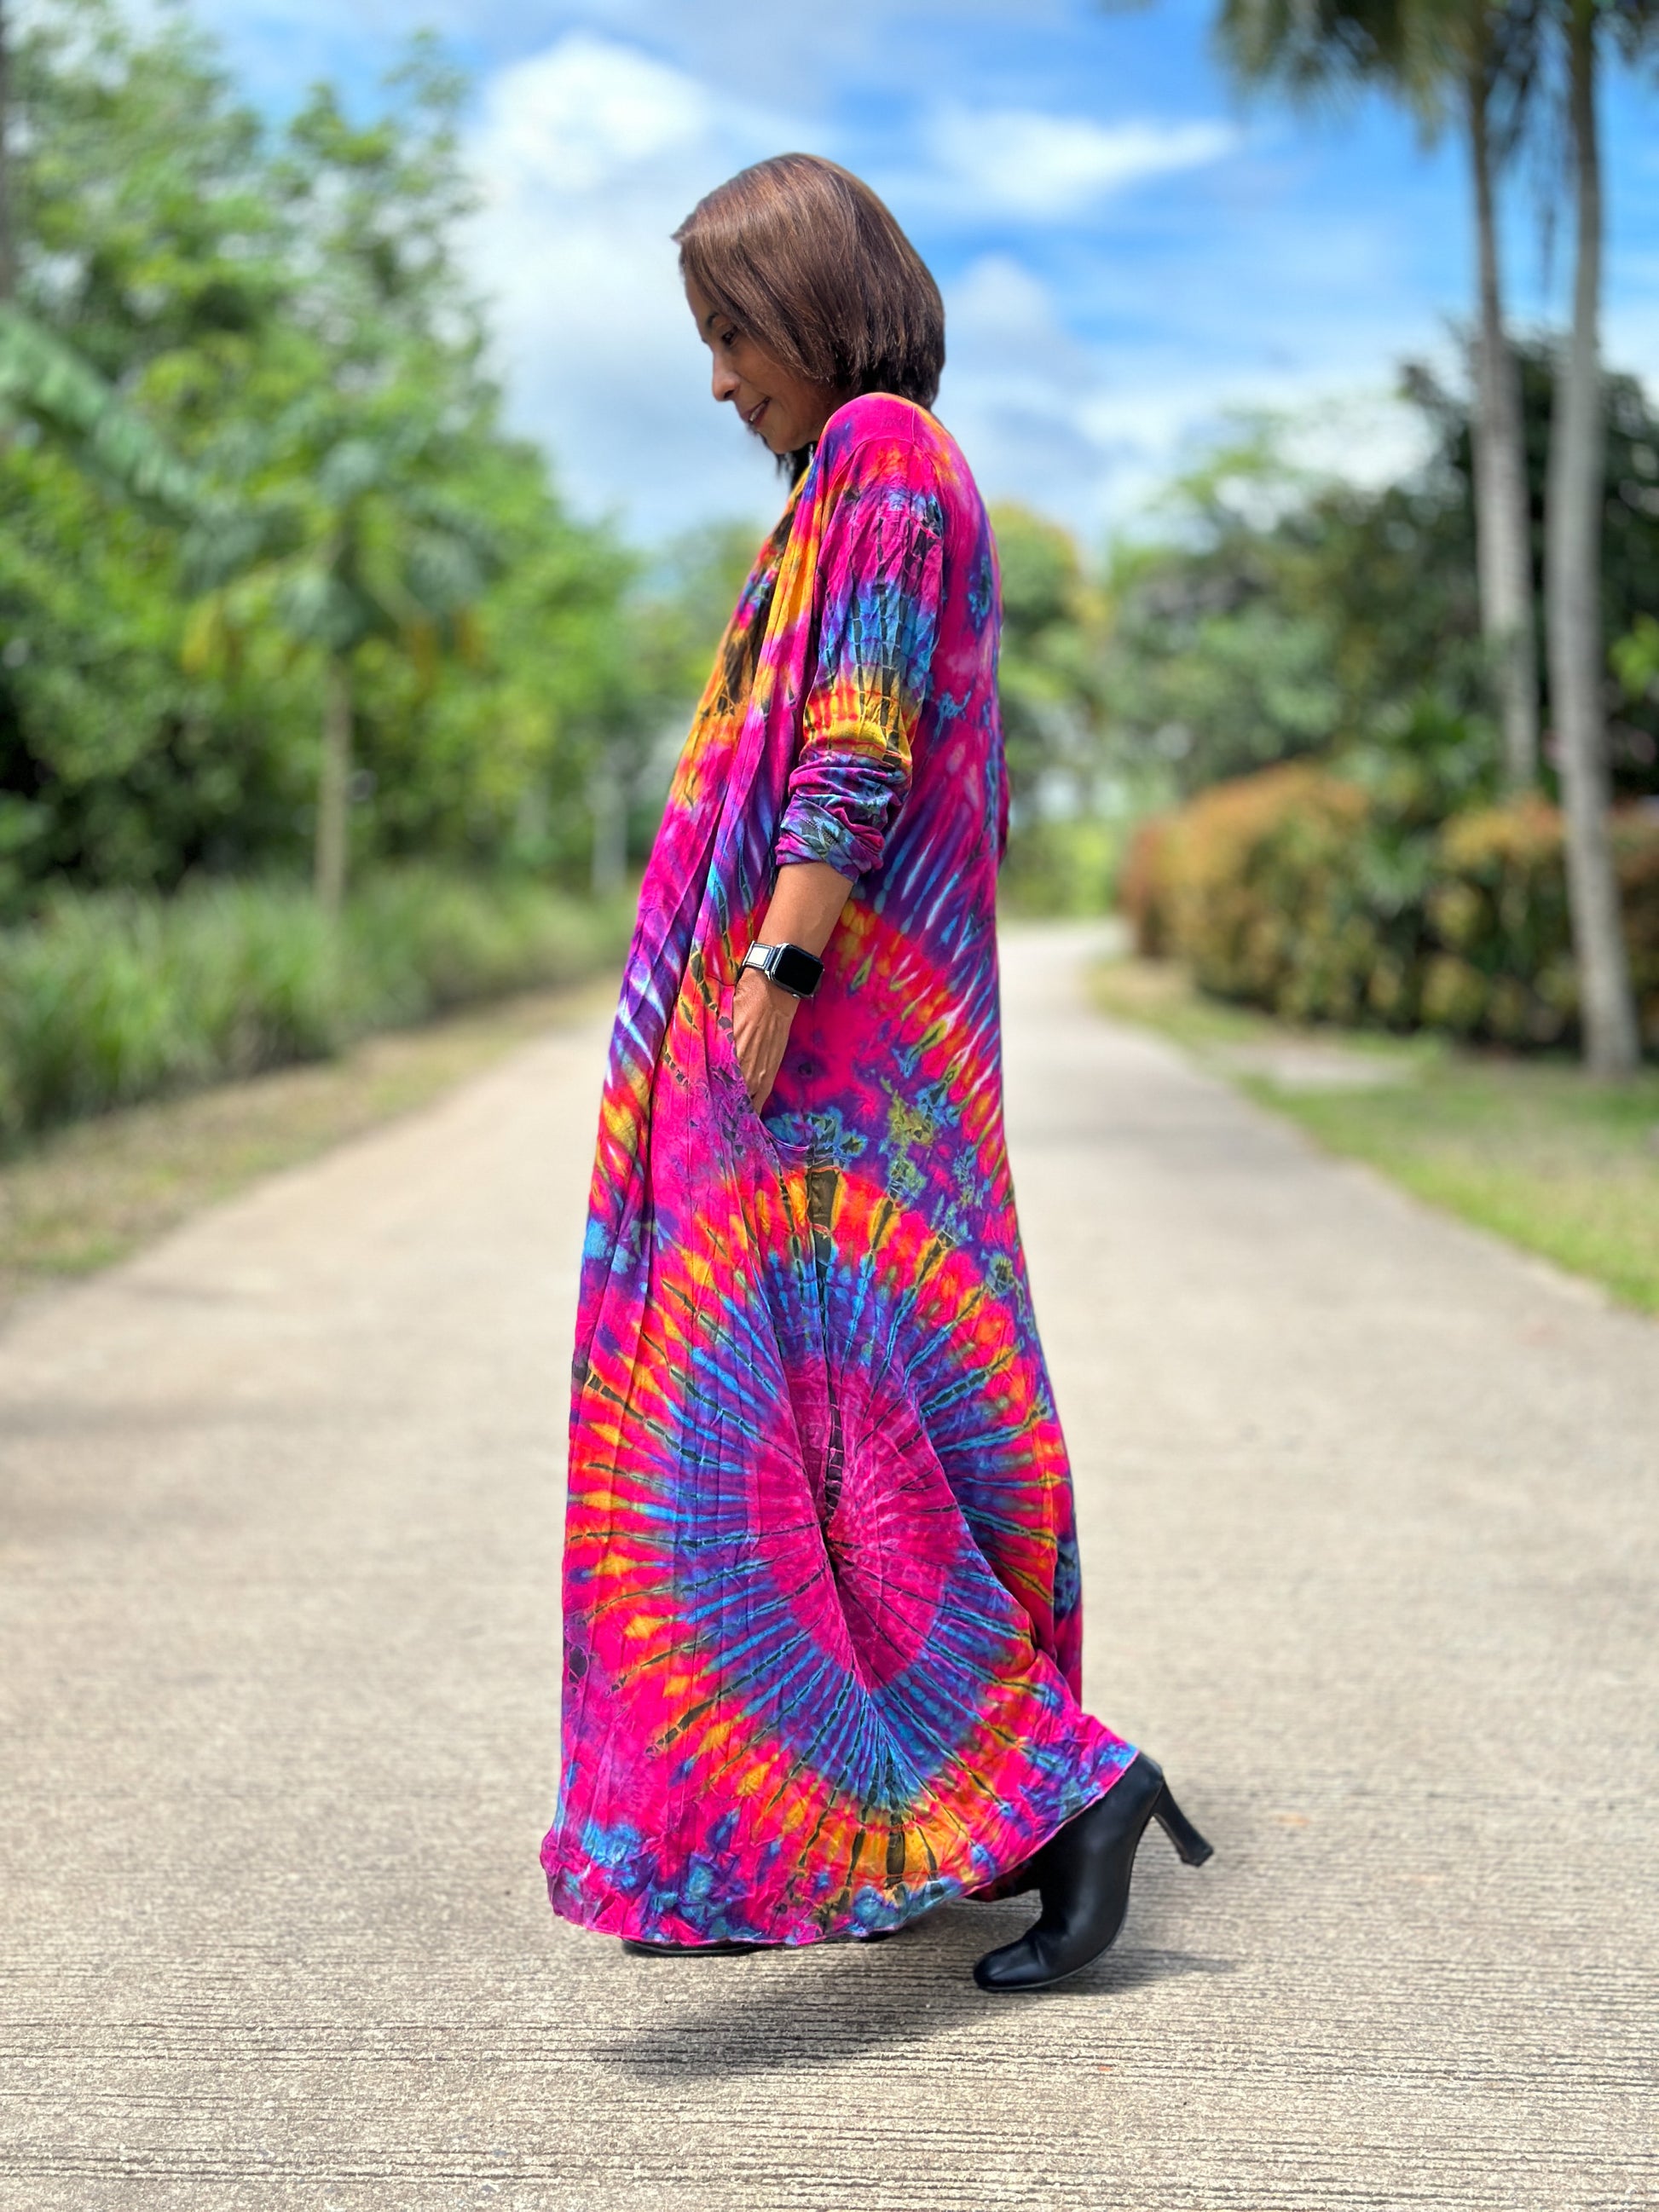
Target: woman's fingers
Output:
[
  {"x": 760, "y": 1064},
  {"x": 761, "y": 1017}
]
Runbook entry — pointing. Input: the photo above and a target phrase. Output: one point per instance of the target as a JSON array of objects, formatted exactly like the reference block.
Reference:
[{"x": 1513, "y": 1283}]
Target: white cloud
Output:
[
  {"x": 1092, "y": 433},
  {"x": 588, "y": 155},
  {"x": 1038, "y": 167},
  {"x": 1013, "y": 389},
  {"x": 1327, "y": 256},
  {"x": 587, "y": 113},
  {"x": 591, "y": 151}
]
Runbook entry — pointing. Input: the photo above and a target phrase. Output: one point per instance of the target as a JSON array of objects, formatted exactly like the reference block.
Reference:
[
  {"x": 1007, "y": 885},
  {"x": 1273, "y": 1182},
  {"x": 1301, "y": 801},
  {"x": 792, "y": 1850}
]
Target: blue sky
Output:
[{"x": 1126, "y": 250}]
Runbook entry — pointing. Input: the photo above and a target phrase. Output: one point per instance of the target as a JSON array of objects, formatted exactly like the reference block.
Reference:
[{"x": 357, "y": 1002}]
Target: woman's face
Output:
[{"x": 784, "y": 408}]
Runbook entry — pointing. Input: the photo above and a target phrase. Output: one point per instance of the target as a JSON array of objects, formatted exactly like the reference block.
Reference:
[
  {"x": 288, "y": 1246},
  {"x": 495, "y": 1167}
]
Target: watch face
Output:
[{"x": 796, "y": 970}]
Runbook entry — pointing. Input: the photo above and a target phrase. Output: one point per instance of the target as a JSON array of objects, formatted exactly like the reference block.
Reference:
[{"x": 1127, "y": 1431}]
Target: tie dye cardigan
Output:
[{"x": 821, "y": 1643}]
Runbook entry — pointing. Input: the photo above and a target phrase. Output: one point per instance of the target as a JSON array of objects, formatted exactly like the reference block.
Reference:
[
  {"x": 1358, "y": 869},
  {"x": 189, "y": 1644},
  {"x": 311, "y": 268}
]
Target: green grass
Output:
[
  {"x": 106, "y": 1001},
  {"x": 1527, "y": 1148},
  {"x": 78, "y": 1198}
]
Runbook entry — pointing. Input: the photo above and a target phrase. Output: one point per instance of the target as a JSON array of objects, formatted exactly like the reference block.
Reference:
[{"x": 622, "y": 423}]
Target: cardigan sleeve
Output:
[{"x": 880, "y": 565}]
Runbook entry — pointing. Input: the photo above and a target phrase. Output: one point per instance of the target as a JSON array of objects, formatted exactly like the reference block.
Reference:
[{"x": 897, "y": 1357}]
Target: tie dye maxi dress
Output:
[{"x": 822, "y": 1638}]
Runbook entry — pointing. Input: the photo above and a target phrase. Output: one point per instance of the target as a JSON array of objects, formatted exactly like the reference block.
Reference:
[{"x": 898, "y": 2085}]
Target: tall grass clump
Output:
[{"x": 107, "y": 999}]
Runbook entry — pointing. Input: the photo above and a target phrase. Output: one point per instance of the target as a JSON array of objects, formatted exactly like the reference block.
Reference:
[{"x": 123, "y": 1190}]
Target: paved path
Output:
[{"x": 1369, "y": 1521}]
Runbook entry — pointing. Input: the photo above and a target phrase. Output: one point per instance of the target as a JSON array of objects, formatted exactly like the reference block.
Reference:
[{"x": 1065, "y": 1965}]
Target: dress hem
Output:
[{"x": 689, "y": 1922}]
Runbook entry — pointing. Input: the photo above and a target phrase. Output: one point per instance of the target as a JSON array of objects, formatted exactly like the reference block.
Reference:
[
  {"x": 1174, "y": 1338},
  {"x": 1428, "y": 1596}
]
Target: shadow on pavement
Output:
[{"x": 788, "y": 2011}]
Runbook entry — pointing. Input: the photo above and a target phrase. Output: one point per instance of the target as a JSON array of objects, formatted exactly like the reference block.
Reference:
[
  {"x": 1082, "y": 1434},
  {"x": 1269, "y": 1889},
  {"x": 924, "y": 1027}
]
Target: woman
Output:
[{"x": 822, "y": 1642}]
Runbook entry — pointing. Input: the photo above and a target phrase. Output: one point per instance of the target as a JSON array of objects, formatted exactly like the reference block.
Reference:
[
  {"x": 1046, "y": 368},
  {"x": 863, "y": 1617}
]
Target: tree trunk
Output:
[
  {"x": 1502, "y": 515},
  {"x": 608, "y": 797},
  {"x": 1573, "y": 592},
  {"x": 7, "y": 249},
  {"x": 334, "y": 785}
]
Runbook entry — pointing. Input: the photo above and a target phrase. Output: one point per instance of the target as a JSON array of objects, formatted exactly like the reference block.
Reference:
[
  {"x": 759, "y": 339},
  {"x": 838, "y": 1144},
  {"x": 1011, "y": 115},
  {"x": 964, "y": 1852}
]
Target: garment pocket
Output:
[{"x": 725, "y": 1070}]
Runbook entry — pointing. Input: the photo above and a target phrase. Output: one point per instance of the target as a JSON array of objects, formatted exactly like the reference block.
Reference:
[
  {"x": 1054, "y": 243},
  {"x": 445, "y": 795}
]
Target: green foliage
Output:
[
  {"x": 1063, "y": 826},
  {"x": 653, "y": 666},
  {"x": 685, "y": 600},
  {"x": 1326, "y": 898},
  {"x": 1206, "y": 684},
  {"x": 45, "y": 382},
  {"x": 1313, "y": 50},
  {"x": 342, "y": 532},
  {"x": 1630, "y": 530},
  {"x": 286, "y": 315},
  {"x": 1066, "y": 867},
  {"x": 376, "y": 204},
  {"x": 1636, "y": 659},
  {"x": 112, "y": 998},
  {"x": 1290, "y": 614},
  {"x": 1050, "y": 666},
  {"x": 145, "y": 223}
]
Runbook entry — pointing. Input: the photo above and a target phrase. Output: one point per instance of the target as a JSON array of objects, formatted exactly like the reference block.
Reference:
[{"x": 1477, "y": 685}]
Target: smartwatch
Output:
[{"x": 791, "y": 968}]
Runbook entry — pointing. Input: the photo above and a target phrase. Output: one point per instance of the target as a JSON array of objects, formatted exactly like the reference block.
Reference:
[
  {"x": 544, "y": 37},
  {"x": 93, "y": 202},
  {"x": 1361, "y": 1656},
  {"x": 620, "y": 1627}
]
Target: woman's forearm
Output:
[{"x": 806, "y": 903}]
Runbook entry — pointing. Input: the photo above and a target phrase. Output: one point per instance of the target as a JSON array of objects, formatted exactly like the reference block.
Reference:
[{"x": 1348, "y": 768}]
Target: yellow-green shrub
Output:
[
  {"x": 1294, "y": 891},
  {"x": 1140, "y": 887}
]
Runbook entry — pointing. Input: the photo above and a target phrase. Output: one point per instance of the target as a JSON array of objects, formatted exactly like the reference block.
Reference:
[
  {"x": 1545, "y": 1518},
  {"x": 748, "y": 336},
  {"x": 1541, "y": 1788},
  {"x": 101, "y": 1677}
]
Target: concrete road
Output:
[{"x": 1369, "y": 1509}]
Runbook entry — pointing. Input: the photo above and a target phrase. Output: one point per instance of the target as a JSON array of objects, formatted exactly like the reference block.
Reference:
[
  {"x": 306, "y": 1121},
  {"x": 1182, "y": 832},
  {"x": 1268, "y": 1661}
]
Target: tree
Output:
[
  {"x": 44, "y": 381},
  {"x": 210, "y": 275},
  {"x": 1066, "y": 797},
  {"x": 146, "y": 264},
  {"x": 1050, "y": 671},
  {"x": 1577, "y": 661},
  {"x": 7, "y": 249},
  {"x": 146, "y": 224},
  {"x": 344, "y": 540},
  {"x": 1291, "y": 613},
  {"x": 1487, "y": 55},
  {"x": 1286, "y": 612},
  {"x": 633, "y": 728},
  {"x": 1472, "y": 58},
  {"x": 490, "y": 759}
]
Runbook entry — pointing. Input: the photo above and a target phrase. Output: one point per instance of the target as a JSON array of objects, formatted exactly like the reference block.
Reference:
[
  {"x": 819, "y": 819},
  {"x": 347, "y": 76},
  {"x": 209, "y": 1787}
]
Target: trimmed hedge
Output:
[
  {"x": 1292, "y": 889},
  {"x": 108, "y": 1000}
]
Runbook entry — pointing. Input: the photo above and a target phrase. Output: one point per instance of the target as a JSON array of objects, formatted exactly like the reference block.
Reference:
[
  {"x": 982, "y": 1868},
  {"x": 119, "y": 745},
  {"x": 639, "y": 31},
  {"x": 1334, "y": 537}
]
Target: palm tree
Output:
[
  {"x": 342, "y": 540},
  {"x": 1572, "y": 564},
  {"x": 8, "y": 251},
  {"x": 1498, "y": 52},
  {"x": 1484, "y": 58},
  {"x": 44, "y": 381},
  {"x": 1442, "y": 55}
]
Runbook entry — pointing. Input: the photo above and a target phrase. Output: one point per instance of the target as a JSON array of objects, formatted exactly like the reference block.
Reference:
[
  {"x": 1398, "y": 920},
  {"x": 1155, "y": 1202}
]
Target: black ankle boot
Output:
[{"x": 1083, "y": 1878}]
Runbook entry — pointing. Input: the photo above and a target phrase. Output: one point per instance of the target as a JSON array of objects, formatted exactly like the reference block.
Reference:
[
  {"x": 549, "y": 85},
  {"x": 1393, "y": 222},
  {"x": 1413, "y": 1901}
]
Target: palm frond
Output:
[{"x": 44, "y": 381}]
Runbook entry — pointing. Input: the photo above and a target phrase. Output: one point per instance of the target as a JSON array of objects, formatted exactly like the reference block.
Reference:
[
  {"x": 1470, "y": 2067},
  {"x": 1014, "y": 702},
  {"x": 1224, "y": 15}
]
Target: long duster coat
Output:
[{"x": 823, "y": 1636}]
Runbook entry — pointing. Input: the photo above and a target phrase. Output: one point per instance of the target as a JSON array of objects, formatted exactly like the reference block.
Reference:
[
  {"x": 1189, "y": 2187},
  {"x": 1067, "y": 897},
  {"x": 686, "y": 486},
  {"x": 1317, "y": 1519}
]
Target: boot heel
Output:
[{"x": 1189, "y": 1844}]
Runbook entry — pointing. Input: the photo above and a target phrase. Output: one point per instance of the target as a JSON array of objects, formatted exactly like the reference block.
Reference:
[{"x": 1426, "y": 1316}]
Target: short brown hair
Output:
[{"x": 804, "y": 256}]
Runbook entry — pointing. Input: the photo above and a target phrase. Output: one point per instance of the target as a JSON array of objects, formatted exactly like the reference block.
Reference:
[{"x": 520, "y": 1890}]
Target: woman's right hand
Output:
[
  {"x": 807, "y": 899},
  {"x": 762, "y": 1014}
]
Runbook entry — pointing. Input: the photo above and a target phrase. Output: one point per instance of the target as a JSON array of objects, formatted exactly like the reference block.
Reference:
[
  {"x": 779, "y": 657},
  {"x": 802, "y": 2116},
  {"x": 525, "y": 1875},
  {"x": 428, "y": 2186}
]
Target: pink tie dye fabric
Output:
[{"x": 823, "y": 1636}]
